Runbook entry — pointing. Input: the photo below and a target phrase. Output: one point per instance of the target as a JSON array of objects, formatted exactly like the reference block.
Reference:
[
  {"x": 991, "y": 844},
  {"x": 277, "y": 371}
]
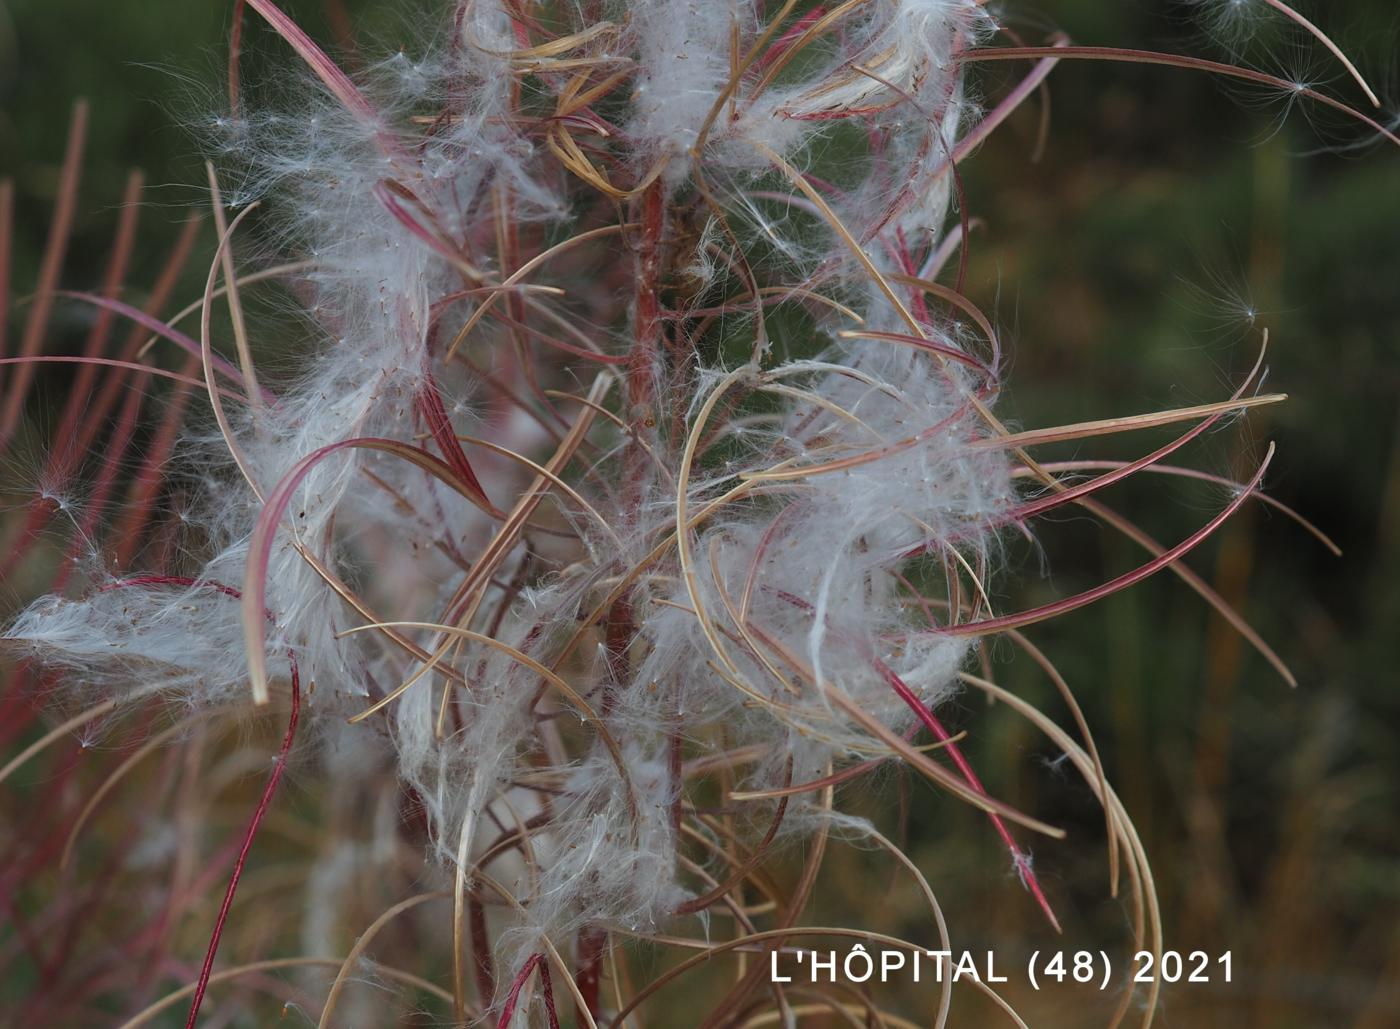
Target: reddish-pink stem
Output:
[
  {"x": 264, "y": 803},
  {"x": 546, "y": 987},
  {"x": 80, "y": 394},
  {"x": 7, "y": 200},
  {"x": 54, "y": 250},
  {"x": 141, "y": 495},
  {"x": 591, "y": 944},
  {"x": 1018, "y": 857}
]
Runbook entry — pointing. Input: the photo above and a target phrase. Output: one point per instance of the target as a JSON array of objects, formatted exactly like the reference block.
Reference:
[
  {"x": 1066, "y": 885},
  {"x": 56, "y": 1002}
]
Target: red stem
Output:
[
  {"x": 508, "y": 1008},
  {"x": 591, "y": 944},
  {"x": 263, "y": 805},
  {"x": 51, "y": 264},
  {"x": 930, "y": 720}
]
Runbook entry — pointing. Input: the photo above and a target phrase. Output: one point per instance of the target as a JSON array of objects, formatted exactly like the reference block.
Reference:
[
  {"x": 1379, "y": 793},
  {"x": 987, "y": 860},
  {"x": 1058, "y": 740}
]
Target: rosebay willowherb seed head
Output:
[{"x": 636, "y": 443}]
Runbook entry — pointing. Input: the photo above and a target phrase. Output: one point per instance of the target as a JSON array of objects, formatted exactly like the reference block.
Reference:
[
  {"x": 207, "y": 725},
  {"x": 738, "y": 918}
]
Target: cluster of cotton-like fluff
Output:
[{"x": 619, "y": 496}]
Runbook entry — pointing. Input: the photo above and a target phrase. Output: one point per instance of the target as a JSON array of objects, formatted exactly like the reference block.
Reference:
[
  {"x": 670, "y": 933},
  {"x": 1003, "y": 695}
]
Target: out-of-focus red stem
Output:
[
  {"x": 646, "y": 343},
  {"x": 78, "y": 405},
  {"x": 140, "y": 500},
  {"x": 7, "y": 201},
  {"x": 113, "y": 384},
  {"x": 591, "y": 944},
  {"x": 50, "y": 266}
]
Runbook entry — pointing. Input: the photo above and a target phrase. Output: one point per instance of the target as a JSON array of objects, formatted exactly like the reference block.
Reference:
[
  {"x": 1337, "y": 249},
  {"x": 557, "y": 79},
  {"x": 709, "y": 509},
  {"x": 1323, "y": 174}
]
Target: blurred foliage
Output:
[{"x": 1123, "y": 265}]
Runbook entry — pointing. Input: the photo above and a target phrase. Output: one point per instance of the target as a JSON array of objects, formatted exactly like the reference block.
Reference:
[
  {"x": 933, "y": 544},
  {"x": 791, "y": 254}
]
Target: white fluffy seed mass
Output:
[{"x": 747, "y": 518}]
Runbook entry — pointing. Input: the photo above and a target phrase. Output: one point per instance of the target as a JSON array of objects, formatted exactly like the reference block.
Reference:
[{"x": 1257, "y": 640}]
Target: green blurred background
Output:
[{"x": 1121, "y": 265}]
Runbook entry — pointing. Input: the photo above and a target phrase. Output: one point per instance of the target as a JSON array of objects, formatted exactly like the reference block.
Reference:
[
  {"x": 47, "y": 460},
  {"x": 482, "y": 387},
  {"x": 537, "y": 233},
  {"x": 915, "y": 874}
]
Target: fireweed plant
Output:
[{"x": 582, "y": 592}]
